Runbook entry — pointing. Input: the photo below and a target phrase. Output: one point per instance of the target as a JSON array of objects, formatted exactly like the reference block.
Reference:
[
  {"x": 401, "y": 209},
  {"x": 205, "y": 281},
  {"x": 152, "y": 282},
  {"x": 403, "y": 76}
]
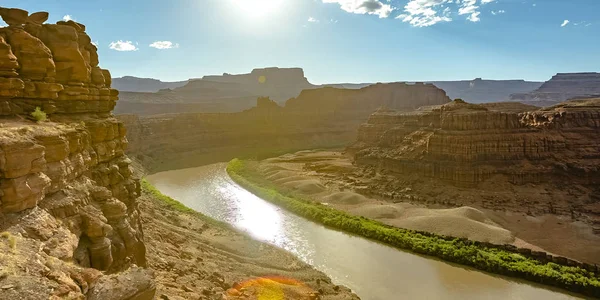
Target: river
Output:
[{"x": 370, "y": 269}]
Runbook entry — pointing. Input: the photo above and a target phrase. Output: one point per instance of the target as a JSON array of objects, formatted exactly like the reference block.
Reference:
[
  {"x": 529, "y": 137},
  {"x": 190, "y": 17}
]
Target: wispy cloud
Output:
[
  {"x": 68, "y": 18},
  {"x": 371, "y": 7},
  {"x": 423, "y": 13},
  {"x": 564, "y": 23},
  {"x": 164, "y": 45},
  {"x": 123, "y": 46},
  {"x": 313, "y": 20},
  {"x": 498, "y": 12}
]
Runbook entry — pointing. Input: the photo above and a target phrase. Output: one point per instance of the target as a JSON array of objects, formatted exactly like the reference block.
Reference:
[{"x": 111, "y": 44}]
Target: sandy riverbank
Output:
[{"x": 329, "y": 177}]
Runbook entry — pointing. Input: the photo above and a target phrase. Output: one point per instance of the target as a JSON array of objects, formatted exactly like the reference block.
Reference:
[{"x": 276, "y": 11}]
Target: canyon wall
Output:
[
  {"x": 317, "y": 118},
  {"x": 67, "y": 195},
  {"x": 562, "y": 87},
  {"x": 478, "y": 146}
]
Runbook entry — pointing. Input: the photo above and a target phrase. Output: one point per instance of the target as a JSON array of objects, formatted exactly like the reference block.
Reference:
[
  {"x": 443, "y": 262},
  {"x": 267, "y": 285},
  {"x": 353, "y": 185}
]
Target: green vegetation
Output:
[
  {"x": 491, "y": 259},
  {"x": 12, "y": 240},
  {"x": 39, "y": 115}
]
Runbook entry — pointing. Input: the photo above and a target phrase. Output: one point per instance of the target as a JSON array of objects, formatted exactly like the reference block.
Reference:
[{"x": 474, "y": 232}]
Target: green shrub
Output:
[
  {"x": 455, "y": 250},
  {"x": 39, "y": 115}
]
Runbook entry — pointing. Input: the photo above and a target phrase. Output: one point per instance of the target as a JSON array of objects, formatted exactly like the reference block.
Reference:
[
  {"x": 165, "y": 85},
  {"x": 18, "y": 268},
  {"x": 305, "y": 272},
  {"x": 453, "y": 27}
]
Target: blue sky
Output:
[{"x": 339, "y": 40}]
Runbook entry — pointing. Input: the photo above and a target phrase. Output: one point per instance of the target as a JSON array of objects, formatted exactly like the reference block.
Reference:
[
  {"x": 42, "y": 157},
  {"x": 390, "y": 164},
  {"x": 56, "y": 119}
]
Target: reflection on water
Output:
[{"x": 372, "y": 270}]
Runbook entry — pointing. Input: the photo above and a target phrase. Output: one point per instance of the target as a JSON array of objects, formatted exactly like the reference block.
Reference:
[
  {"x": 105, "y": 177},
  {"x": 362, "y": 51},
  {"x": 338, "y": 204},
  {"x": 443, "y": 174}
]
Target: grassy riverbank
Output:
[{"x": 491, "y": 259}]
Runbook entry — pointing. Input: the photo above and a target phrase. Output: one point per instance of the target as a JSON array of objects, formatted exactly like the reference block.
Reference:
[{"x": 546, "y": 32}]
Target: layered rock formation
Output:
[
  {"x": 561, "y": 87},
  {"x": 470, "y": 145},
  {"x": 67, "y": 195},
  {"x": 325, "y": 117}
]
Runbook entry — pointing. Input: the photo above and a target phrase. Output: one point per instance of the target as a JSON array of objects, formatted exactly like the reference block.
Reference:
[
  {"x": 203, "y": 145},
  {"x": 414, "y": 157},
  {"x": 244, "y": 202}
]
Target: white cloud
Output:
[
  {"x": 564, "y": 23},
  {"x": 371, "y": 7},
  {"x": 68, "y": 18},
  {"x": 164, "y": 45},
  {"x": 498, "y": 12},
  {"x": 123, "y": 46},
  {"x": 422, "y": 13},
  {"x": 474, "y": 17},
  {"x": 313, "y": 20},
  {"x": 333, "y": 21}
]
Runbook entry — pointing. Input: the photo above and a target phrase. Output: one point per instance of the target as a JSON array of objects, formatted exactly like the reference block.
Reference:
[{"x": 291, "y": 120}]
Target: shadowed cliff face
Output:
[
  {"x": 67, "y": 195},
  {"x": 318, "y": 118},
  {"x": 471, "y": 145}
]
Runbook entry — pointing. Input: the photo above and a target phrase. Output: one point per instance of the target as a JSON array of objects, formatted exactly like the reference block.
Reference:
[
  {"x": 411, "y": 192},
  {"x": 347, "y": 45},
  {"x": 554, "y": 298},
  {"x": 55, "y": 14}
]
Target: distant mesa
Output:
[
  {"x": 562, "y": 87},
  {"x": 144, "y": 85}
]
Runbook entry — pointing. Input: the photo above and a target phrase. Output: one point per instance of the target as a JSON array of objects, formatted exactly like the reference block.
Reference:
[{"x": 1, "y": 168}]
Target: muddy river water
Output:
[{"x": 370, "y": 269}]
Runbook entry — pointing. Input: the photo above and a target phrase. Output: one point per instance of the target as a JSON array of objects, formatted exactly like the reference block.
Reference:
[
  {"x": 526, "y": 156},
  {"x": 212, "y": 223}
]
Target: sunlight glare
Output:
[{"x": 258, "y": 8}]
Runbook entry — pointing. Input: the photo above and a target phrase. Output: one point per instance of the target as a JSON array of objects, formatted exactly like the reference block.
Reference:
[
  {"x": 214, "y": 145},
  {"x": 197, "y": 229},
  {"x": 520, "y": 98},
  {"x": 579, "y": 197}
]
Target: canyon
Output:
[
  {"x": 325, "y": 117},
  {"x": 75, "y": 221},
  {"x": 497, "y": 173}
]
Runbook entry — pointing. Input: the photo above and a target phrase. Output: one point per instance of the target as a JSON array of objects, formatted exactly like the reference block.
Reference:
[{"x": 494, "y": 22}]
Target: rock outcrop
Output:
[
  {"x": 326, "y": 117},
  {"x": 470, "y": 145},
  {"x": 562, "y": 87},
  {"x": 67, "y": 195}
]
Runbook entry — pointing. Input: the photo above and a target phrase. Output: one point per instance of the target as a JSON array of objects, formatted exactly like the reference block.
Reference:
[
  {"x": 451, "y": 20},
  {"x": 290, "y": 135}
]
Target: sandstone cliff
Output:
[
  {"x": 67, "y": 195},
  {"x": 481, "y": 148},
  {"x": 325, "y": 117},
  {"x": 561, "y": 87}
]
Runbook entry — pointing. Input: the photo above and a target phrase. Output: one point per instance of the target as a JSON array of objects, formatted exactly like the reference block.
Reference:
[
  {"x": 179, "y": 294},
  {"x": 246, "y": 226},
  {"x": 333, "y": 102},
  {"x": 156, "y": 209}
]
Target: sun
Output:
[{"x": 258, "y": 8}]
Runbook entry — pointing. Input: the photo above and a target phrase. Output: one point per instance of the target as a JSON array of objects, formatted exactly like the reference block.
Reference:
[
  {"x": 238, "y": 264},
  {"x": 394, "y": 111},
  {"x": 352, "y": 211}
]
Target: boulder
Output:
[
  {"x": 13, "y": 16},
  {"x": 38, "y": 18}
]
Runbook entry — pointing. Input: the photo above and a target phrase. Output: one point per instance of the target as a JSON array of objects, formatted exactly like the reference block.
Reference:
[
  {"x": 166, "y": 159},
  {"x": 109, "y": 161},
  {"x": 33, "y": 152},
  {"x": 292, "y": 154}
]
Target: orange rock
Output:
[
  {"x": 38, "y": 18},
  {"x": 34, "y": 58}
]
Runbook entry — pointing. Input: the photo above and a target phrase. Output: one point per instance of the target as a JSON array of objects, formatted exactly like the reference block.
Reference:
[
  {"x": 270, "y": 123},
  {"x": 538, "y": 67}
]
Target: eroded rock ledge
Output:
[
  {"x": 67, "y": 195},
  {"x": 556, "y": 149}
]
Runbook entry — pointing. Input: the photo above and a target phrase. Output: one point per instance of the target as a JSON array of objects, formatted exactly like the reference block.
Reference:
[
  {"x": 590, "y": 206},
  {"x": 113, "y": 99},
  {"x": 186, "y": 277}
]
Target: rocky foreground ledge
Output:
[{"x": 71, "y": 215}]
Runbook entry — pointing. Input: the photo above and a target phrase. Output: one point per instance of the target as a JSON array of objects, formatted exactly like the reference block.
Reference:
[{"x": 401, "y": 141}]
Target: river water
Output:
[{"x": 371, "y": 270}]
